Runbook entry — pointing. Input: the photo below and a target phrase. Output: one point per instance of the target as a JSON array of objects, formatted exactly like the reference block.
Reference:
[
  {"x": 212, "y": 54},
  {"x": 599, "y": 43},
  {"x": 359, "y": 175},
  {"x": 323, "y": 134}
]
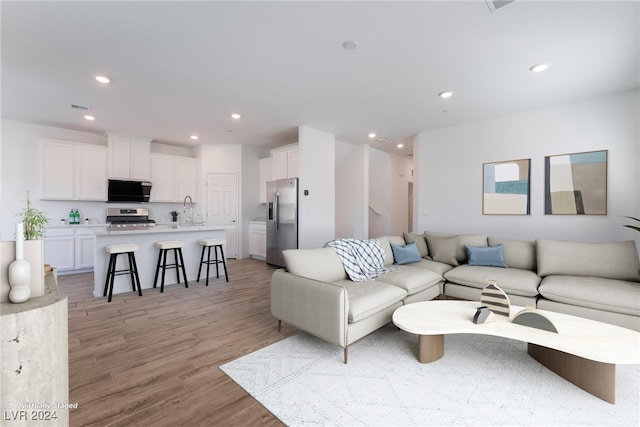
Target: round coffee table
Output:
[{"x": 584, "y": 352}]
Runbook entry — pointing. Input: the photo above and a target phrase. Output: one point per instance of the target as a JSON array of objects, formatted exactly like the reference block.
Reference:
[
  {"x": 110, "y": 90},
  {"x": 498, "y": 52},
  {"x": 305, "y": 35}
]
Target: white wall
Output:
[
  {"x": 389, "y": 177},
  {"x": 317, "y": 175},
  {"x": 352, "y": 188},
  {"x": 448, "y": 165}
]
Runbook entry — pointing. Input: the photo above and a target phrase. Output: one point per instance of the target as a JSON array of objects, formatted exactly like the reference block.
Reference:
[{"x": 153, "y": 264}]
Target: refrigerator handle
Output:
[{"x": 276, "y": 215}]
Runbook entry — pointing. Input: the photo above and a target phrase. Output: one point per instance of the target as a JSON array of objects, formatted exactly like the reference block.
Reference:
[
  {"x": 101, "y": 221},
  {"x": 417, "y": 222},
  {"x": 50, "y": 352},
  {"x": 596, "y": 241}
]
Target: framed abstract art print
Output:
[
  {"x": 506, "y": 188},
  {"x": 576, "y": 184}
]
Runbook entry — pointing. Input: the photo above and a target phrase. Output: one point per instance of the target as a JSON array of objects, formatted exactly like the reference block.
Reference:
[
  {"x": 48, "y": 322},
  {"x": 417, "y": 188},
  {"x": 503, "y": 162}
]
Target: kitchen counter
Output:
[
  {"x": 178, "y": 228},
  {"x": 147, "y": 254}
]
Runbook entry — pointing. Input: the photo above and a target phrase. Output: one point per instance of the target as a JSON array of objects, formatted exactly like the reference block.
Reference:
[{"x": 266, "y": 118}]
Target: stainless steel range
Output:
[{"x": 129, "y": 219}]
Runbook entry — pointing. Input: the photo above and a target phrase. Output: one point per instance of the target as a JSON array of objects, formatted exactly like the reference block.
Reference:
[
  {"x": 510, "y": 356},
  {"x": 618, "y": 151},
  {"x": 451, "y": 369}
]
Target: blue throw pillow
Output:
[
  {"x": 488, "y": 256},
  {"x": 405, "y": 254}
]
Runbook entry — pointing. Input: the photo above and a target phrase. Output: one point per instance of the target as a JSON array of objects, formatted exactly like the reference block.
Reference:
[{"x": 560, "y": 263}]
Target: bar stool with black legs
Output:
[
  {"x": 164, "y": 247},
  {"x": 114, "y": 251},
  {"x": 215, "y": 244}
]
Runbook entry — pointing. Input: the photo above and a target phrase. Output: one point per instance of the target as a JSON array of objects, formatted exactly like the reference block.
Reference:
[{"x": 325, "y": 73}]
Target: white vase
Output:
[{"x": 20, "y": 281}]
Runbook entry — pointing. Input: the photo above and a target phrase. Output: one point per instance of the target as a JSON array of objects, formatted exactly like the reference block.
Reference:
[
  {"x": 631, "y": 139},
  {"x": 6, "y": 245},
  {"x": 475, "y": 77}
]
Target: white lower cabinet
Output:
[
  {"x": 69, "y": 249},
  {"x": 258, "y": 240}
]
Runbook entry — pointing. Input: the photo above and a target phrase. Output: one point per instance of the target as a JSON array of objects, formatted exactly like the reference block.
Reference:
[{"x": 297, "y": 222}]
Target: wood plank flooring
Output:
[{"x": 153, "y": 360}]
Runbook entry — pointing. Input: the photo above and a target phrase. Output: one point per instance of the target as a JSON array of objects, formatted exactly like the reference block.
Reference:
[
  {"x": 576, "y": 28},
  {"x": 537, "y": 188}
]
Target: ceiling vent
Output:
[
  {"x": 497, "y": 4},
  {"x": 79, "y": 107}
]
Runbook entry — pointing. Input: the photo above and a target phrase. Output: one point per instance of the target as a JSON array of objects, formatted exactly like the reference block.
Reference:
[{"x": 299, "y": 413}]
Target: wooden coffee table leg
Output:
[
  {"x": 594, "y": 377},
  {"x": 431, "y": 348}
]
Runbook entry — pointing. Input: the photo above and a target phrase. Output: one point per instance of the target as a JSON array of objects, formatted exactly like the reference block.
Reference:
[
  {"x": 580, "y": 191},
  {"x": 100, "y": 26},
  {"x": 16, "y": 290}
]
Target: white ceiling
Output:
[{"x": 180, "y": 68}]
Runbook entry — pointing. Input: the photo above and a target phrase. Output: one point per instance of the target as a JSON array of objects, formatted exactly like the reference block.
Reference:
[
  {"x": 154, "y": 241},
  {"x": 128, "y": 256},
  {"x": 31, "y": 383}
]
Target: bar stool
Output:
[
  {"x": 165, "y": 246},
  {"x": 114, "y": 251},
  {"x": 208, "y": 244}
]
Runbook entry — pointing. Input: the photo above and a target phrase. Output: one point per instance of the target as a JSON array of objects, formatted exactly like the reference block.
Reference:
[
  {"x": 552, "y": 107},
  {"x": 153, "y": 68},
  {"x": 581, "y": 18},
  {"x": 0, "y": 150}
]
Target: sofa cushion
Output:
[
  {"x": 405, "y": 254},
  {"x": 435, "y": 266},
  {"x": 511, "y": 280},
  {"x": 370, "y": 297},
  {"x": 386, "y": 241},
  {"x": 463, "y": 239},
  {"x": 611, "y": 260},
  {"x": 443, "y": 249},
  {"x": 618, "y": 296},
  {"x": 517, "y": 253},
  {"x": 492, "y": 256},
  {"x": 321, "y": 264},
  {"x": 420, "y": 242},
  {"x": 411, "y": 279}
]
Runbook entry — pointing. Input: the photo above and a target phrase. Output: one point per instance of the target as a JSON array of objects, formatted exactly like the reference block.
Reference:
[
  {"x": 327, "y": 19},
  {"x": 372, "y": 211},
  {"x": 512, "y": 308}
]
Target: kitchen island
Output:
[{"x": 147, "y": 254}]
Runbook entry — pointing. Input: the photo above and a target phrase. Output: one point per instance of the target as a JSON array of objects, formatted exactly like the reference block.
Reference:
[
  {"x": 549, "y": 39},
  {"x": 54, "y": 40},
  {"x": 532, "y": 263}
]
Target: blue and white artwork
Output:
[{"x": 506, "y": 188}]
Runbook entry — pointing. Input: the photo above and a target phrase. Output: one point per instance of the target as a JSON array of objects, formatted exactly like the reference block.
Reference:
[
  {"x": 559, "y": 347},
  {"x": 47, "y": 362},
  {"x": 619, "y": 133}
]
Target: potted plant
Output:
[{"x": 34, "y": 221}]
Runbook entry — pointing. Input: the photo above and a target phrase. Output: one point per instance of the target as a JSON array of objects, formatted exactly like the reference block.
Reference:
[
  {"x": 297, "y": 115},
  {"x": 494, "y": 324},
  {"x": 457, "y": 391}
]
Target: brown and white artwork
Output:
[{"x": 576, "y": 184}]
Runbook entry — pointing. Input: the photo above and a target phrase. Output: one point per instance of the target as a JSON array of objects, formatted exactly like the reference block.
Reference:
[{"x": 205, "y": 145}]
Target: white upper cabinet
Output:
[
  {"x": 129, "y": 157},
  {"x": 185, "y": 178},
  {"x": 73, "y": 171},
  {"x": 173, "y": 178},
  {"x": 56, "y": 166},
  {"x": 284, "y": 162},
  {"x": 91, "y": 172},
  {"x": 292, "y": 163}
]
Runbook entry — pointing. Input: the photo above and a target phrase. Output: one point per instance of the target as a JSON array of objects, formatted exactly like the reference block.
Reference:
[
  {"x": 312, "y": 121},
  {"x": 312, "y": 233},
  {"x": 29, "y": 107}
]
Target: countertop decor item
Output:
[{"x": 19, "y": 271}]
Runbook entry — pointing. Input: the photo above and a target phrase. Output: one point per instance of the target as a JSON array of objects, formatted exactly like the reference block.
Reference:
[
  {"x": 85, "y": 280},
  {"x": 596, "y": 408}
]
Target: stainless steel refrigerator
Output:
[{"x": 282, "y": 219}]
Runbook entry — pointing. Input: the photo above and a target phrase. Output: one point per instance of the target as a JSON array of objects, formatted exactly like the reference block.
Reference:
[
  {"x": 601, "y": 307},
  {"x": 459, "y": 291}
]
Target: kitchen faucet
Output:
[{"x": 184, "y": 208}]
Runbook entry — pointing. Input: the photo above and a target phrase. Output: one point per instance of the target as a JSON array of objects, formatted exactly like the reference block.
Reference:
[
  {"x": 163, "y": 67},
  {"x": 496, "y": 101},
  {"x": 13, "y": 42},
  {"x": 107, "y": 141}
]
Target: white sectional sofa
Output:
[{"x": 599, "y": 281}]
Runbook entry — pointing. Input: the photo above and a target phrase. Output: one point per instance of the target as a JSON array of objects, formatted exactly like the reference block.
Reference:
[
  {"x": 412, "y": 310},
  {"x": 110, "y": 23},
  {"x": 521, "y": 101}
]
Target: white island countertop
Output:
[{"x": 178, "y": 228}]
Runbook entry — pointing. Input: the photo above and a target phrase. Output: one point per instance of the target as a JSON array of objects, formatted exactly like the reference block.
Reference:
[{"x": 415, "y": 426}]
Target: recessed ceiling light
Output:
[
  {"x": 194, "y": 137},
  {"x": 400, "y": 145},
  {"x": 236, "y": 116},
  {"x": 90, "y": 118},
  {"x": 372, "y": 135},
  {"x": 538, "y": 68},
  {"x": 446, "y": 94},
  {"x": 350, "y": 44},
  {"x": 103, "y": 79}
]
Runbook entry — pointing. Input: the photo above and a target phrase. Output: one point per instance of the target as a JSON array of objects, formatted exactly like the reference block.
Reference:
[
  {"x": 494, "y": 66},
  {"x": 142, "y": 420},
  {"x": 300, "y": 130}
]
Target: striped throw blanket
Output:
[{"x": 362, "y": 259}]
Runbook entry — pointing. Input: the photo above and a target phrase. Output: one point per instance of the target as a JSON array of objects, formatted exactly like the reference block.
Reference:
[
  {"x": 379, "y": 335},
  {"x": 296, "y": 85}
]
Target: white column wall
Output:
[
  {"x": 352, "y": 182},
  {"x": 317, "y": 175}
]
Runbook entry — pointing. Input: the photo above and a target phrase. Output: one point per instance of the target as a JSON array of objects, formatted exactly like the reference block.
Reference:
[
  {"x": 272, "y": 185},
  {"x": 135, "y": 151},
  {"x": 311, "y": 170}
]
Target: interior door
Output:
[{"x": 222, "y": 207}]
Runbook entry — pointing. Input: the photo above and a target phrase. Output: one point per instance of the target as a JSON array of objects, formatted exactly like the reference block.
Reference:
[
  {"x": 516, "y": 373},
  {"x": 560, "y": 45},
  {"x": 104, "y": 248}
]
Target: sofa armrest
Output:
[{"x": 316, "y": 307}]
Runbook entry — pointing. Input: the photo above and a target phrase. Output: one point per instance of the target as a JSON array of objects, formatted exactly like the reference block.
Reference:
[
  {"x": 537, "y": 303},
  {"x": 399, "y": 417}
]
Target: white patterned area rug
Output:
[{"x": 481, "y": 380}]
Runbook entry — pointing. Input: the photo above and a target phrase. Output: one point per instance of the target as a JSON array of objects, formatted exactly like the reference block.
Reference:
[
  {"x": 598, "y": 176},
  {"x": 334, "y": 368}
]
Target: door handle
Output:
[{"x": 277, "y": 212}]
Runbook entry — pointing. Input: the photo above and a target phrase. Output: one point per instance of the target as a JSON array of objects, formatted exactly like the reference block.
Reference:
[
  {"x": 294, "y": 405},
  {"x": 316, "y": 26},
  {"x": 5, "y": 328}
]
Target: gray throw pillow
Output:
[
  {"x": 443, "y": 249},
  {"x": 420, "y": 241}
]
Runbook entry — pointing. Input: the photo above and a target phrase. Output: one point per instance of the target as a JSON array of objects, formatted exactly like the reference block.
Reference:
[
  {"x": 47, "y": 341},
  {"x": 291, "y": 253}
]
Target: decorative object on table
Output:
[
  {"x": 534, "y": 319},
  {"x": 483, "y": 315},
  {"x": 19, "y": 271},
  {"x": 34, "y": 221},
  {"x": 506, "y": 188},
  {"x": 495, "y": 299},
  {"x": 576, "y": 184}
]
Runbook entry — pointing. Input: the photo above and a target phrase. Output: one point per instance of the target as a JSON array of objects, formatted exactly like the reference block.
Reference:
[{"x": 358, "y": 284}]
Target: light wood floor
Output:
[{"x": 153, "y": 360}]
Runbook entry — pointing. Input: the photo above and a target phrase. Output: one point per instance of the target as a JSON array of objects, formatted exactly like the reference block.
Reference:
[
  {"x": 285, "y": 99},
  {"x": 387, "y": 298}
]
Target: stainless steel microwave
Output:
[{"x": 128, "y": 191}]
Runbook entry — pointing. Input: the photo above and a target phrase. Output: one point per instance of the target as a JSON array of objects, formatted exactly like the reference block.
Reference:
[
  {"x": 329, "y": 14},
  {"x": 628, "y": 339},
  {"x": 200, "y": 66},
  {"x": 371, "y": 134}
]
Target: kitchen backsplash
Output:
[{"x": 96, "y": 212}]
